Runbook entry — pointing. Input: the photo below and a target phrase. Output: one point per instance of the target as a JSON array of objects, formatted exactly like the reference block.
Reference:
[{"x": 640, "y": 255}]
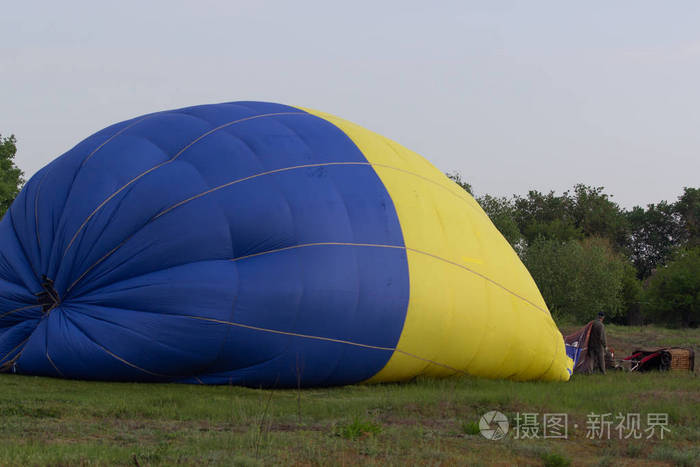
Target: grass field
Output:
[{"x": 57, "y": 422}]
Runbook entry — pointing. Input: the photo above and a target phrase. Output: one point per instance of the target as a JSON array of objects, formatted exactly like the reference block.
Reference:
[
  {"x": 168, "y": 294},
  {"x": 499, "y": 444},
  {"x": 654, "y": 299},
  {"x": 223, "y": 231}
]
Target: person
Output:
[{"x": 597, "y": 345}]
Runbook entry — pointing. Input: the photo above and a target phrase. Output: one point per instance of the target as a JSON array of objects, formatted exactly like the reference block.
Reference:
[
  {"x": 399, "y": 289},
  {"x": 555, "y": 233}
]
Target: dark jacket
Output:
[{"x": 597, "y": 337}]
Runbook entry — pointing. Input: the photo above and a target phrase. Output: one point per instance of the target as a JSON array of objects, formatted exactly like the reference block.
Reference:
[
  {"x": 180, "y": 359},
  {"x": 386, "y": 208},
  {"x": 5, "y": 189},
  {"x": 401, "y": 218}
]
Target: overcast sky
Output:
[{"x": 515, "y": 95}]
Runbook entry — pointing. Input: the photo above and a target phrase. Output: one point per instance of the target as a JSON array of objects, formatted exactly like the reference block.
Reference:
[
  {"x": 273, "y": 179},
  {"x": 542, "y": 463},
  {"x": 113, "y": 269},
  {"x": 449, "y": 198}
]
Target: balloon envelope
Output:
[{"x": 266, "y": 245}]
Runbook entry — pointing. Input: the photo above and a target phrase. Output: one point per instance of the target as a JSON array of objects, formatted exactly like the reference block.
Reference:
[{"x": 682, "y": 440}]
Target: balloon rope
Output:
[
  {"x": 19, "y": 309},
  {"x": 48, "y": 357}
]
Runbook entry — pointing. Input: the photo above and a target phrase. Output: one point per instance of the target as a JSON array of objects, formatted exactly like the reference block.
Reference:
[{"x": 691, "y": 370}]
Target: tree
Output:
[
  {"x": 654, "y": 234},
  {"x": 659, "y": 230},
  {"x": 585, "y": 212},
  {"x": 578, "y": 279},
  {"x": 673, "y": 295},
  {"x": 596, "y": 215},
  {"x": 688, "y": 210},
  {"x": 11, "y": 177},
  {"x": 548, "y": 216}
]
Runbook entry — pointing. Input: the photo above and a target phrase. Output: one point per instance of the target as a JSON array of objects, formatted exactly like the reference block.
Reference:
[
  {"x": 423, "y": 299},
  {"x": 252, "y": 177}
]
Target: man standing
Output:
[{"x": 596, "y": 345}]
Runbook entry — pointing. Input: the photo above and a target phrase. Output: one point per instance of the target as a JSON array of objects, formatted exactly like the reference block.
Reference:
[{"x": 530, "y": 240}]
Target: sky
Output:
[{"x": 514, "y": 95}]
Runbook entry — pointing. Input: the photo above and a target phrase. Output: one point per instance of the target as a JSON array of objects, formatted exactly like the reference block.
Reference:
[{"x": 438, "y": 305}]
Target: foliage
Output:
[
  {"x": 673, "y": 295},
  {"x": 595, "y": 214},
  {"x": 688, "y": 210},
  {"x": 654, "y": 233},
  {"x": 631, "y": 294},
  {"x": 547, "y": 216},
  {"x": 578, "y": 279},
  {"x": 11, "y": 177},
  {"x": 662, "y": 228},
  {"x": 586, "y": 212}
]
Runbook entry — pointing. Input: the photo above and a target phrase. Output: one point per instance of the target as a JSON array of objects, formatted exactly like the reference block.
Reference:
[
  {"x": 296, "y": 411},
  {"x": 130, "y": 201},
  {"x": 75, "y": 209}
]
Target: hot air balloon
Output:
[{"x": 265, "y": 245}]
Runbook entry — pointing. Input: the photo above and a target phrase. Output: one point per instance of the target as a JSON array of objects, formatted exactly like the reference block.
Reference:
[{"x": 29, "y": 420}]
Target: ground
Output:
[{"x": 57, "y": 422}]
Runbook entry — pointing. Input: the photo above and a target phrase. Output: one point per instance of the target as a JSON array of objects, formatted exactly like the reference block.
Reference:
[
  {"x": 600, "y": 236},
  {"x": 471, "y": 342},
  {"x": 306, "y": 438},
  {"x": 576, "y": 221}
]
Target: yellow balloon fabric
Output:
[{"x": 473, "y": 306}]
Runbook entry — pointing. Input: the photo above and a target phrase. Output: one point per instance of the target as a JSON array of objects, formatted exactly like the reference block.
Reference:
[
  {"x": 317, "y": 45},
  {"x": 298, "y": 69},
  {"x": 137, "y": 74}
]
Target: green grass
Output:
[
  {"x": 471, "y": 428},
  {"x": 58, "y": 422},
  {"x": 358, "y": 428}
]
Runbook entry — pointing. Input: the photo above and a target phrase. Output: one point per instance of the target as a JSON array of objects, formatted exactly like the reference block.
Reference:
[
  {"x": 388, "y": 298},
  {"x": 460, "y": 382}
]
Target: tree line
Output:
[{"x": 587, "y": 254}]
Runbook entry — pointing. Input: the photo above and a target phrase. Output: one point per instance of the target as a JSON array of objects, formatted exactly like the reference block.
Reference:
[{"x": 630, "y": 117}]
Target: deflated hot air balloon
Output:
[{"x": 264, "y": 245}]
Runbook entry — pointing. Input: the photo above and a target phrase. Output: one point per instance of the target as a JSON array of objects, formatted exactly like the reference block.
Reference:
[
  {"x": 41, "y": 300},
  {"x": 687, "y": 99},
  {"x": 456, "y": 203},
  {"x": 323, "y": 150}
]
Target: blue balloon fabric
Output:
[{"x": 217, "y": 244}]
